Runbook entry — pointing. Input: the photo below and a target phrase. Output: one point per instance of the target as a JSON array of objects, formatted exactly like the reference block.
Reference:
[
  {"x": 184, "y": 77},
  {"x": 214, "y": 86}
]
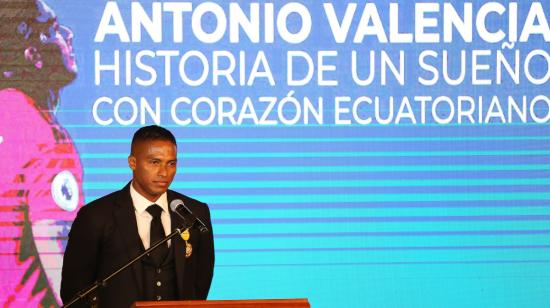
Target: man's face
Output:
[
  {"x": 153, "y": 163},
  {"x": 55, "y": 37}
]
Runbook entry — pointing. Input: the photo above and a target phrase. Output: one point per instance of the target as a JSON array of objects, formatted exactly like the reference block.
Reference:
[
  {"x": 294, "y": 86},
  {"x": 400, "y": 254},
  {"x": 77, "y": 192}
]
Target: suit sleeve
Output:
[
  {"x": 80, "y": 259},
  {"x": 206, "y": 259}
]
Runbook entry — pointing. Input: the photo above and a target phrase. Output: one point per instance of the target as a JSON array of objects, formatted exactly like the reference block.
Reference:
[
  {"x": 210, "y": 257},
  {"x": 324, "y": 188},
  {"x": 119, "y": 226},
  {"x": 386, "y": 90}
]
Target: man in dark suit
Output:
[{"x": 110, "y": 231}]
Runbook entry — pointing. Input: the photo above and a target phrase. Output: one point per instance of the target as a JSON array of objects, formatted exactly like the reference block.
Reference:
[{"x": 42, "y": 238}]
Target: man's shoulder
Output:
[
  {"x": 186, "y": 199},
  {"x": 199, "y": 208},
  {"x": 102, "y": 205}
]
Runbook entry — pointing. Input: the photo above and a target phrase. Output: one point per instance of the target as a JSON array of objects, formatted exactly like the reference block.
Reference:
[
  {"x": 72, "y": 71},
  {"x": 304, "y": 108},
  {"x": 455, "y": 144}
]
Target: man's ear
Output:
[
  {"x": 33, "y": 56},
  {"x": 132, "y": 162}
]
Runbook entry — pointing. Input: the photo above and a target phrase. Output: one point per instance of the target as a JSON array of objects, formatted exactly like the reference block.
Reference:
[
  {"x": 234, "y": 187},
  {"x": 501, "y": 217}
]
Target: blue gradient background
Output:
[{"x": 348, "y": 216}]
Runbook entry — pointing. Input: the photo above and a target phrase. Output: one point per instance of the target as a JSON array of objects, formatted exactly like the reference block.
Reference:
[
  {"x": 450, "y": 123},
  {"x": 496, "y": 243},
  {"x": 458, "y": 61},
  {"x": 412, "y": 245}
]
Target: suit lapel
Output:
[
  {"x": 125, "y": 218},
  {"x": 179, "y": 248}
]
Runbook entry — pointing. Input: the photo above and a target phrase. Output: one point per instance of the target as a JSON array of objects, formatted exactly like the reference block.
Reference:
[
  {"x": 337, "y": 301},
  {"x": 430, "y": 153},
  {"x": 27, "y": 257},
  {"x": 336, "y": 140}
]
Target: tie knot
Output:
[{"x": 155, "y": 210}]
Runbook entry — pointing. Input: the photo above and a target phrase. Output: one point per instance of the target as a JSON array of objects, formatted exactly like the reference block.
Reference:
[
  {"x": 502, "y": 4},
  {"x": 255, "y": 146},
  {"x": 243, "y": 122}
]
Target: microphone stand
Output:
[{"x": 91, "y": 290}]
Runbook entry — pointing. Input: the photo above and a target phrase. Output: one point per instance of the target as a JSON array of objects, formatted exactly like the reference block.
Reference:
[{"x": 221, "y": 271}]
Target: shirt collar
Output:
[{"x": 141, "y": 203}]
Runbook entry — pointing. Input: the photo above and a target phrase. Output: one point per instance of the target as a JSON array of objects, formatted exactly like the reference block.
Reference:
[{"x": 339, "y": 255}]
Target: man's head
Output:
[
  {"x": 36, "y": 52},
  {"x": 153, "y": 160}
]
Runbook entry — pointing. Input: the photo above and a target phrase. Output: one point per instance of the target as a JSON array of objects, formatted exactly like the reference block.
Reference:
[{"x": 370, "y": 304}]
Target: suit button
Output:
[
  {"x": 159, "y": 270},
  {"x": 159, "y": 283},
  {"x": 159, "y": 297}
]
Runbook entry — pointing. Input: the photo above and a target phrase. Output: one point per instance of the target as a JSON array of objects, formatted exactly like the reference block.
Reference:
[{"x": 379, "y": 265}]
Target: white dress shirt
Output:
[{"x": 143, "y": 218}]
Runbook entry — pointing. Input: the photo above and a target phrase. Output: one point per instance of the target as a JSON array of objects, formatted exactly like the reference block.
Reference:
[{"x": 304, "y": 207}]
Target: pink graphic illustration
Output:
[{"x": 40, "y": 170}]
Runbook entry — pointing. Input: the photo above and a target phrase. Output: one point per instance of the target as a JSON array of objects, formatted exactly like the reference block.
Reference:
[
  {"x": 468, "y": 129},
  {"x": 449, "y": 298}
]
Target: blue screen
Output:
[{"x": 358, "y": 154}]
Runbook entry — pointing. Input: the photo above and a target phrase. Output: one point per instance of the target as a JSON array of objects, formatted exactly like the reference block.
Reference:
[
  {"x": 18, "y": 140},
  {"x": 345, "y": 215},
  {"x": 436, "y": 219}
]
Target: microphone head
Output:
[{"x": 175, "y": 203}]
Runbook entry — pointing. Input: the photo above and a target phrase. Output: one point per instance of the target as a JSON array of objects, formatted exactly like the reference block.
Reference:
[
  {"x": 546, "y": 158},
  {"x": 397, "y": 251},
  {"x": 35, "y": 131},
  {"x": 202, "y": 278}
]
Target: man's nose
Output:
[
  {"x": 66, "y": 33},
  {"x": 162, "y": 170}
]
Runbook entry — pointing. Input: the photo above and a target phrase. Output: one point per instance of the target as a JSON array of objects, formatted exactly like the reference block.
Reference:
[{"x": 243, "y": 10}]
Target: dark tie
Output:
[{"x": 157, "y": 234}]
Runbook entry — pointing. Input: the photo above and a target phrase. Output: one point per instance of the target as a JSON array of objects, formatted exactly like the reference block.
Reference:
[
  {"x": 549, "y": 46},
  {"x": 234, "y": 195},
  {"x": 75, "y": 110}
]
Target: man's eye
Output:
[{"x": 44, "y": 37}]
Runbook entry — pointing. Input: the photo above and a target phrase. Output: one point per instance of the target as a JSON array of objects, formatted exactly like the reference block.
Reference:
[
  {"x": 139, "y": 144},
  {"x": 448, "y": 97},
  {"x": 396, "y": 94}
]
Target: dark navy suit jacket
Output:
[{"x": 104, "y": 236}]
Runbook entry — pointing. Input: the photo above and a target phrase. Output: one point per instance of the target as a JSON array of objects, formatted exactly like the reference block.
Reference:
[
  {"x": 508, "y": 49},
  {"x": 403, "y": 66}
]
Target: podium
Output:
[{"x": 252, "y": 303}]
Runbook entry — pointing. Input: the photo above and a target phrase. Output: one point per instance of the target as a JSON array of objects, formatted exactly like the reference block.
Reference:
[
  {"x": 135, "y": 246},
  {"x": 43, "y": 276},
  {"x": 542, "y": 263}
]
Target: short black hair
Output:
[{"x": 152, "y": 132}]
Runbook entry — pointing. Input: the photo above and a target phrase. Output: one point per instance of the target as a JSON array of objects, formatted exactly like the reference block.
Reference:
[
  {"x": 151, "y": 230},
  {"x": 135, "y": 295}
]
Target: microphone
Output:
[{"x": 177, "y": 205}]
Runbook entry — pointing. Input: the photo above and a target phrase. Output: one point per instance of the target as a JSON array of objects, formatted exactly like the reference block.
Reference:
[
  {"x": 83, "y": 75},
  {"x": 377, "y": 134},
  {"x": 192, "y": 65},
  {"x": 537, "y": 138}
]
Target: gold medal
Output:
[
  {"x": 186, "y": 235},
  {"x": 188, "y": 249}
]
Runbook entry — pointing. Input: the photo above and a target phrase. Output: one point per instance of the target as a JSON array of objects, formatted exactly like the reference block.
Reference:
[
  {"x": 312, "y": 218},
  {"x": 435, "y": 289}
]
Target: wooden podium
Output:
[{"x": 252, "y": 303}]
